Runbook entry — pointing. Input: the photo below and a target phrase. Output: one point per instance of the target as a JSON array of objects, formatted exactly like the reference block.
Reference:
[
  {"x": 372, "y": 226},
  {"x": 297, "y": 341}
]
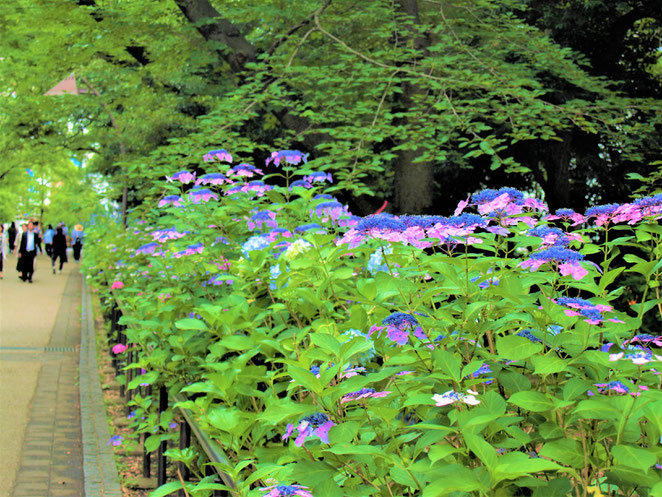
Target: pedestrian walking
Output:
[
  {"x": 26, "y": 251},
  {"x": 59, "y": 248},
  {"x": 38, "y": 232},
  {"x": 4, "y": 247},
  {"x": 48, "y": 240},
  {"x": 77, "y": 240},
  {"x": 11, "y": 232}
]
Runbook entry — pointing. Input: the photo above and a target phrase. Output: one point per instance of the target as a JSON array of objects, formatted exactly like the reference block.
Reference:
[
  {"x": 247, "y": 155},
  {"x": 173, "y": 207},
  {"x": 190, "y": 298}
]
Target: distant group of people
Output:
[{"x": 27, "y": 243}]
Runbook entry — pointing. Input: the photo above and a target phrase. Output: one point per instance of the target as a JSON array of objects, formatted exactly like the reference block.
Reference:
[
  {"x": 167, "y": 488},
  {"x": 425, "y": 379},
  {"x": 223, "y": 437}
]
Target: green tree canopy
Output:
[{"x": 418, "y": 101}]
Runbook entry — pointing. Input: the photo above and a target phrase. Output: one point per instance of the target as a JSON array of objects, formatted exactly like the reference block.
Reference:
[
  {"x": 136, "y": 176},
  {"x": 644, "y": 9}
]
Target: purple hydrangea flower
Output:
[
  {"x": 115, "y": 440},
  {"x": 196, "y": 248},
  {"x": 329, "y": 210},
  {"x": 318, "y": 177},
  {"x": 581, "y": 307},
  {"x": 286, "y": 491},
  {"x": 618, "y": 387},
  {"x": 398, "y": 325},
  {"x": 201, "y": 195},
  {"x": 174, "y": 200},
  {"x": 182, "y": 176},
  {"x": 212, "y": 179},
  {"x": 568, "y": 261},
  {"x": 257, "y": 186},
  {"x": 483, "y": 370},
  {"x": 260, "y": 218},
  {"x": 313, "y": 426},
  {"x": 293, "y": 157},
  {"x": 301, "y": 184},
  {"x": 364, "y": 393},
  {"x": 148, "y": 248},
  {"x": 167, "y": 234},
  {"x": 245, "y": 170},
  {"x": 234, "y": 189},
  {"x": 218, "y": 280},
  {"x": 219, "y": 155},
  {"x": 324, "y": 196},
  {"x": 567, "y": 215},
  {"x": 601, "y": 210}
]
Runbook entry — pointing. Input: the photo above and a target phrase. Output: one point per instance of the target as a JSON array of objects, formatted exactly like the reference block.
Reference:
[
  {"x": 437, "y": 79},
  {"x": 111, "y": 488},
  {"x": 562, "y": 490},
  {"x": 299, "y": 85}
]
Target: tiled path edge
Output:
[{"x": 99, "y": 468}]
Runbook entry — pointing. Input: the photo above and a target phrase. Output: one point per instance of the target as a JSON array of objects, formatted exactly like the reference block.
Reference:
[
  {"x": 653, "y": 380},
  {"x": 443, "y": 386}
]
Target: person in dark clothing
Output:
[
  {"x": 59, "y": 248},
  {"x": 12, "y": 236},
  {"x": 27, "y": 251}
]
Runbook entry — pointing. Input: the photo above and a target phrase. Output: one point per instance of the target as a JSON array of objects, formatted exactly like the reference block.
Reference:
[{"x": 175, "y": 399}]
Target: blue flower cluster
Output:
[
  {"x": 558, "y": 254},
  {"x": 489, "y": 195}
]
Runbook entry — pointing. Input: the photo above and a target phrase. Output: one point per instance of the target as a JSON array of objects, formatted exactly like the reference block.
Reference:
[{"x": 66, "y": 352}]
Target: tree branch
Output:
[{"x": 209, "y": 23}]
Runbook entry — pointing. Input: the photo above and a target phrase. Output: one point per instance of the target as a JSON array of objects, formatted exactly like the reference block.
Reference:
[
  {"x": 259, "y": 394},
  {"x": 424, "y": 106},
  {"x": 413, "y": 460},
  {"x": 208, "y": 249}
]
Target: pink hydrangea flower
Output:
[
  {"x": 116, "y": 285},
  {"x": 119, "y": 348}
]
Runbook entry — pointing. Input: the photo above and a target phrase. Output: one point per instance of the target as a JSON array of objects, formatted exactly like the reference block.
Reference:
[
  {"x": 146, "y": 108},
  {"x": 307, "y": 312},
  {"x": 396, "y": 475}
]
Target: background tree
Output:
[{"x": 417, "y": 101}]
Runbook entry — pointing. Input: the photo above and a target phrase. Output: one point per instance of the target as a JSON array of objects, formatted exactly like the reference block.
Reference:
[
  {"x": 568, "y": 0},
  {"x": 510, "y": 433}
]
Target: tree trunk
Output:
[{"x": 413, "y": 188}]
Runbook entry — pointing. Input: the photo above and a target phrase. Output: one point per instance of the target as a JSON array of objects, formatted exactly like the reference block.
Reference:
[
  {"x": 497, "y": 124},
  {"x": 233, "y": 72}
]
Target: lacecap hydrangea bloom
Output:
[
  {"x": 183, "y": 177},
  {"x": 217, "y": 155},
  {"x": 364, "y": 393},
  {"x": 245, "y": 170},
  {"x": 293, "y": 157},
  {"x": 286, "y": 490},
  {"x": 115, "y": 440},
  {"x": 212, "y": 179},
  {"x": 174, "y": 200},
  {"x": 399, "y": 325},
  {"x": 313, "y": 426},
  {"x": 569, "y": 261},
  {"x": 452, "y": 397},
  {"x": 581, "y": 307}
]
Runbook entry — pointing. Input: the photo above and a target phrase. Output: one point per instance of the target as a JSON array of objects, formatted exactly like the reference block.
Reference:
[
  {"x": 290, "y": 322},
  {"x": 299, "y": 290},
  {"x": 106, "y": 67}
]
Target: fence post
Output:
[
  {"x": 147, "y": 459},
  {"x": 163, "y": 446},
  {"x": 184, "y": 442}
]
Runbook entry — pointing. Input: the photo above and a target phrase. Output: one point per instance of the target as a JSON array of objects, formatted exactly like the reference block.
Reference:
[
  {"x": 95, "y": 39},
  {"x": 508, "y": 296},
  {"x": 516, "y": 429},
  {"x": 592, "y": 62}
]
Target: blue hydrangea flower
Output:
[
  {"x": 530, "y": 336},
  {"x": 301, "y": 184},
  {"x": 258, "y": 242}
]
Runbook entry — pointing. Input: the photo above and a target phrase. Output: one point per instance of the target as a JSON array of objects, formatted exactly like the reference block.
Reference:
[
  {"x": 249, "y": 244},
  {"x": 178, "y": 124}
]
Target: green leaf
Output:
[
  {"x": 326, "y": 342},
  {"x": 634, "y": 457},
  {"x": 514, "y": 348},
  {"x": 305, "y": 378},
  {"x": 191, "y": 324},
  {"x": 447, "y": 363},
  {"x": 566, "y": 451},
  {"x": 515, "y": 464},
  {"x": 531, "y": 401},
  {"x": 484, "y": 451},
  {"x": 548, "y": 364},
  {"x": 452, "y": 478},
  {"x": 441, "y": 451},
  {"x": 167, "y": 489}
]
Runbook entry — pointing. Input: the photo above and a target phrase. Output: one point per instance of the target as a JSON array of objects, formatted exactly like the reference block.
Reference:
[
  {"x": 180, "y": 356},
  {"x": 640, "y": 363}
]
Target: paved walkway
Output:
[{"x": 45, "y": 449}]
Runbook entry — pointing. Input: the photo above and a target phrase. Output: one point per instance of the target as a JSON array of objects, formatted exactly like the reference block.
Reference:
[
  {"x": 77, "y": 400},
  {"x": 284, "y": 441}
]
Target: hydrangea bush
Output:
[{"x": 477, "y": 354}]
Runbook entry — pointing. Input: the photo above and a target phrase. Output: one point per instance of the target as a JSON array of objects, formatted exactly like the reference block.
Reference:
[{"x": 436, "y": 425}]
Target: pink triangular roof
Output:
[{"x": 67, "y": 85}]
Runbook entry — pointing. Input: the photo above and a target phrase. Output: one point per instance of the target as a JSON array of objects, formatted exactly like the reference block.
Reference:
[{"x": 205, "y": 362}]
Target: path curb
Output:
[{"x": 99, "y": 468}]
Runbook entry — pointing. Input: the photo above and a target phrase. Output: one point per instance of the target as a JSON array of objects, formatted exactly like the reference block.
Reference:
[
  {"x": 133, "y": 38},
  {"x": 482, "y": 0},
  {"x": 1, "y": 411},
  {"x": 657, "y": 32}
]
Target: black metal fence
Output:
[{"x": 188, "y": 426}]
